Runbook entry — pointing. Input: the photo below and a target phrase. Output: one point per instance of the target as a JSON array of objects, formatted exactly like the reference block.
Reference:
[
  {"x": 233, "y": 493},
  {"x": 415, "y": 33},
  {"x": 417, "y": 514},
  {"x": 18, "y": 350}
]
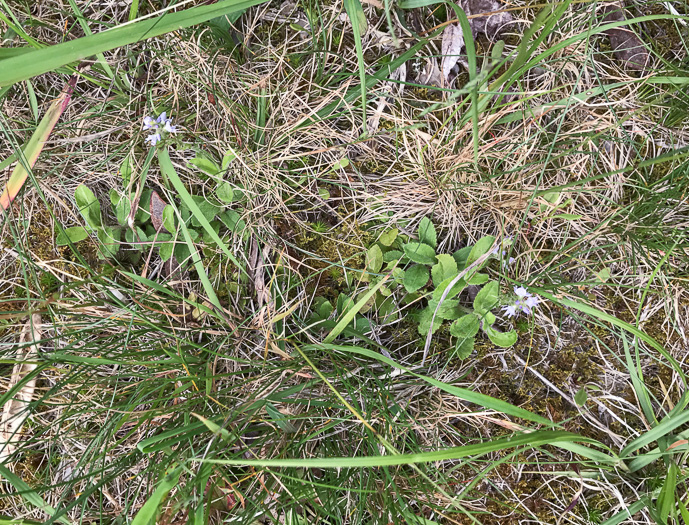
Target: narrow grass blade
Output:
[
  {"x": 148, "y": 512},
  {"x": 657, "y": 432},
  {"x": 349, "y": 315},
  {"x": 169, "y": 171},
  {"x": 358, "y": 19},
  {"x": 29, "y": 494},
  {"x": 87, "y": 30},
  {"x": 35, "y": 146},
  {"x": 383, "y": 73},
  {"x": 198, "y": 264},
  {"x": 531, "y": 440},
  {"x": 627, "y": 513},
  {"x": 463, "y": 393},
  {"x": 49, "y": 58},
  {"x": 666, "y": 499},
  {"x": 603, "y": 316}
]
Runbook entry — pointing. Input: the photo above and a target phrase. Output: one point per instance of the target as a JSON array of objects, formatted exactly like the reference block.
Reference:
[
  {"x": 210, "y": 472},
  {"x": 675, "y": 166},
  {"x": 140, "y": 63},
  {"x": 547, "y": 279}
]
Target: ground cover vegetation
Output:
[{"x": 369, "y": 261}]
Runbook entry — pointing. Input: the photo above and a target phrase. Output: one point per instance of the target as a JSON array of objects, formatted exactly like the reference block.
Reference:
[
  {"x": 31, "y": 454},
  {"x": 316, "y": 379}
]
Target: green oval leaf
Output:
[
  {"x": 465, "y": 327},
  {"x": 480, "y": 248},
  {"x": 427, "y": 234},
  {"x": 445, "y": 269},
  {"x": 454, "y": 291},
  {"x": 415, "y": 277},
  {"x": 464, "y": 347},
  {"x": 169, "y": 218},
  {"x": 419, "y": 252},
  {"x": 72, "y": 234},
  {"x": 374, "y": 259},
  {"x": 502, "y": 339},
  {"x": 388, "y": 237},
  {"x": 581, "y": 396},
  {"x": 392, "y": 256},
  {"x": 109, "y": 237},
  {"x": 89, "y": 207},
  {"x": 461, "y": 256},
  {"x": 487, "y": 298}
]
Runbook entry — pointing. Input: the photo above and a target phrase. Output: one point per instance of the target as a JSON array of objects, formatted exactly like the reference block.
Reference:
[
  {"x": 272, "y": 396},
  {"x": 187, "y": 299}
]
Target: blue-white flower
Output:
[
  {"x": 521, "y": 291},
  {"x": 153, "y": 139},
  {"x": 510, "y": 310},
  {"x": 150, "y": 123},
  {"x": 154, "y": 125},
  {"x": 525, "y": 302}
]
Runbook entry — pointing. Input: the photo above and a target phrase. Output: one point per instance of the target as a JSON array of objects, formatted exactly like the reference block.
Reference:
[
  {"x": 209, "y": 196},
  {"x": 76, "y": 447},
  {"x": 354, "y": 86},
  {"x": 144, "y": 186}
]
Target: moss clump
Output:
[{"x": 337, "y": 247}]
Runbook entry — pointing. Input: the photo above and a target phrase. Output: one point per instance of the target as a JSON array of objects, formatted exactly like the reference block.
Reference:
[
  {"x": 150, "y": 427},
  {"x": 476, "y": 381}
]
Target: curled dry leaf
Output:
[
  {"x": 257, "y": 258},
  {"x": 157, "y": 207},
  {"x": 453, "y": 42},
  {"x": 626, "y": 46},
  {"x": 15, "y": 410}
]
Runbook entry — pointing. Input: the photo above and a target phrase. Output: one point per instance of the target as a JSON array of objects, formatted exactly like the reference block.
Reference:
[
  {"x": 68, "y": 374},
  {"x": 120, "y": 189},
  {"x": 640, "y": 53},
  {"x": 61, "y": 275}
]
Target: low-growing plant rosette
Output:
[{"x": 408, "y": 270}]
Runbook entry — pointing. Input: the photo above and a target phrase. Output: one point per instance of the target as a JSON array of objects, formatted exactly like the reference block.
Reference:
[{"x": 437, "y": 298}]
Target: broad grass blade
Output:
[
  {"x": 149, "y": 511},
  {"x": 35, "y": 146},
  {"x": 30, "y": 494},
  {"x": 50, "y": 58},
  {"x": 358, "y": 20}
]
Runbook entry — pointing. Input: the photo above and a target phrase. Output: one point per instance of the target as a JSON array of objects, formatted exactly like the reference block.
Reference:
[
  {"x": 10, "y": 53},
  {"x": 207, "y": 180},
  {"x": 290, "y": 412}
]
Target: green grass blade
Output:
[
  {"x": 463, "y": 393},
  {"x": 627, "y": 513},
  {"x": 168, "y": 170},
  {"x": 603, "y": 316},
  {"x": 349, "y": 314},
  {"x": 148, "y": 512},
  {"x": 664, "y": 427},
  {"x": 198, "y": 263},
  {"x": 29, "y": 495},
  {"x": 87, "y": 30},
  {"x": 49, "y": 58},
  {"x": 666, "y": 499},
  {"x": 534, "y": 439},
  {"x": 358, "y": 19}
]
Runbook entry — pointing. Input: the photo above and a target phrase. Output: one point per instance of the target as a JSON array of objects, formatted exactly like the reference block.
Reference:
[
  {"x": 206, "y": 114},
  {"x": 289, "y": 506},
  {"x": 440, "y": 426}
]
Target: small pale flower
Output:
[
  {"x": 521, "y": 291},
  {"x": 510, "y": 310},
  {"x": 154, "y": 125},
  {"x": 153, "y": 139},
  {"x": 524, "y": 302},
  {"x": 150, "y": 123}
]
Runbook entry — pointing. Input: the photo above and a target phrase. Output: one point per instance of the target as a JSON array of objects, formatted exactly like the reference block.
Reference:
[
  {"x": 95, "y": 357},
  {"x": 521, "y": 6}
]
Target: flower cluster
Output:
[
  {"x": 154, "y": 125},
  {"x": 524, "y": 302}
]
